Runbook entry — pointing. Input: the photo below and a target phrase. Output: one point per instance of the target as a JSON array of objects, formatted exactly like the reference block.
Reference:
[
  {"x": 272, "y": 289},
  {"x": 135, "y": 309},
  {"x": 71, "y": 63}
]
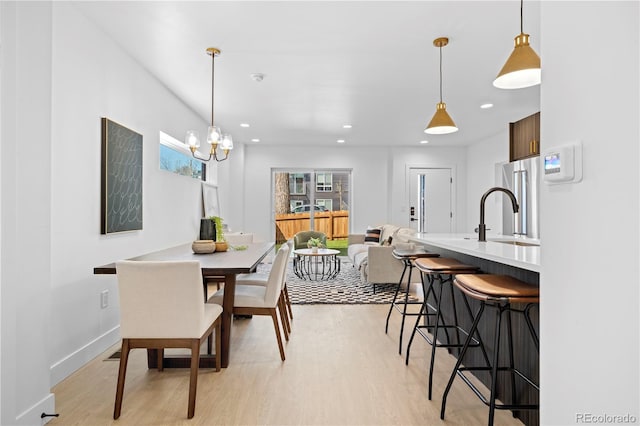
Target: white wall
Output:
[
  {"x": 378, "y": 179},
  {"x": 589, "y": 282},
  {"x": 482, "y": 158},
  {"x": 26, "y": 209},
  {"x": 93, "y": 78},
  {"x": 60, "y": 75}
]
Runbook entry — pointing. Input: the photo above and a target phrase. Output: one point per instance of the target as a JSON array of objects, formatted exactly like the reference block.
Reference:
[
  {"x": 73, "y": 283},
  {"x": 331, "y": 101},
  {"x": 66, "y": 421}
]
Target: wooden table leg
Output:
[{"x": 227, "y": 316}]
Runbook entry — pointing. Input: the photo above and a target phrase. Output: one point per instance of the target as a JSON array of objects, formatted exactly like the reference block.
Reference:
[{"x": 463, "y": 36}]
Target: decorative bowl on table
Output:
[
  {"x": 203, "y": 246},
  {"x": 221, "y": 246}
]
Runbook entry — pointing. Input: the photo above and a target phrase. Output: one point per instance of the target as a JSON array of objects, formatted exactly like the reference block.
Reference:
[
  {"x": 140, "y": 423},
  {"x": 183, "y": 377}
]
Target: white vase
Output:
[{"x": 314, "y": 249}]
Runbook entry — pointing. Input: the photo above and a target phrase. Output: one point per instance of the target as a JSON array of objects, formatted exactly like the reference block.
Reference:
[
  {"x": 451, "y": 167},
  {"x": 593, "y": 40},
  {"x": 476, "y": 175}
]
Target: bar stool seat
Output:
[
  {"x": 499, "y": 292},
  {"x": 442, "y": 270},
  {"x": 407, "y": 256},
  {"x": 504, "y": 287}
]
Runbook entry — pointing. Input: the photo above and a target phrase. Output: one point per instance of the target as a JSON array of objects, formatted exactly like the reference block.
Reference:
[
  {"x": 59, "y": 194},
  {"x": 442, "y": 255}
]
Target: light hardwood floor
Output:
[{"x": 341, "y": 369}]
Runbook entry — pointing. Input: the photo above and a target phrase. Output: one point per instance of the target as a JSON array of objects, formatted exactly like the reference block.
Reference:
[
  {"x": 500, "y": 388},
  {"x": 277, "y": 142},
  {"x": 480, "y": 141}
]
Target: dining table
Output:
[{"x": 225, "y": 264}]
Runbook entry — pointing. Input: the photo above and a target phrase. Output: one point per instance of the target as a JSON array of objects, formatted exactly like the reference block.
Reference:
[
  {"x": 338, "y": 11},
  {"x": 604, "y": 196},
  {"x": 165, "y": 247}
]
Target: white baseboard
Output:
[
  {"x": 33, "y": 416},
  {"x": 66, "y": 366}
]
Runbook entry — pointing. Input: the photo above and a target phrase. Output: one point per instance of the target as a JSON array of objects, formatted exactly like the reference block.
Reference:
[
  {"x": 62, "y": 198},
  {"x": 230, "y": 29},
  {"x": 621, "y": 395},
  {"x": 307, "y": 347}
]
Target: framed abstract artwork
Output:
[{"x": 121, "y": 179}]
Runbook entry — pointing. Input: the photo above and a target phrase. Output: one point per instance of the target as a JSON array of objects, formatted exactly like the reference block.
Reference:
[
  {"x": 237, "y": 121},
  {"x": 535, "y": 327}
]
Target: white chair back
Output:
[
  {"x": 238, "y": 238},
  {"x": 160, "y": 299},
  {"x": 276, "y": 276}
]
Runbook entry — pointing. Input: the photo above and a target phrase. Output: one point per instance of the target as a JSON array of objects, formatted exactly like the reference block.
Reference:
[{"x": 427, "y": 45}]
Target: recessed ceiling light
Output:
[
  {"x": 347, "y": 126},
  {"x": 423, "y": 142},
  {"x": 244, "y": 125},
  {"x": 486, "y": 106},
  {"x": 255, "y": 140},
  {"x": 340, "y": 141}
]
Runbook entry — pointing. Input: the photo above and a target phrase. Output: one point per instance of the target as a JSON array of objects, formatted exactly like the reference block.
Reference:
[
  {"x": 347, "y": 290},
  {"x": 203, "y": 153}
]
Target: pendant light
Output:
[
  {"x": 214, "y": 135},
  {"x": 522, "y": 69},
  {"x": 441, "y": 123}
]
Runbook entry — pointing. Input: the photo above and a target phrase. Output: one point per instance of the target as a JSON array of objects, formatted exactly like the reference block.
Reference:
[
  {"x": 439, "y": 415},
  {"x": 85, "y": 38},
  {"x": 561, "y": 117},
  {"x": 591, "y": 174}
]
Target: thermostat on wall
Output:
[{"x": 563, "y": 164}]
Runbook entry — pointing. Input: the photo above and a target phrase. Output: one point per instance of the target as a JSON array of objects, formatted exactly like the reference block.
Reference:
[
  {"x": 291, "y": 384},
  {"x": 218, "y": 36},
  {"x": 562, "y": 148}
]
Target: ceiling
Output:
[{"x": 371, "y": 64}]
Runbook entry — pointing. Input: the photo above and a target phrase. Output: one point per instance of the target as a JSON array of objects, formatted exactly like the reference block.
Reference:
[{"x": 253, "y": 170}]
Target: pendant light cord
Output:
[
  {"x": 521, "y": 27},
  {"x": 213, "y": 59},
  {"x": 440, "y": 74}
]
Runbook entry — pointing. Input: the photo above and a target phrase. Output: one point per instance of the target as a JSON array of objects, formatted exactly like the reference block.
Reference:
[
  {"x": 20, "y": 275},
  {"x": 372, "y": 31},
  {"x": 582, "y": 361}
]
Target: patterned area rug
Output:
[{"x": 345, "y": 288}]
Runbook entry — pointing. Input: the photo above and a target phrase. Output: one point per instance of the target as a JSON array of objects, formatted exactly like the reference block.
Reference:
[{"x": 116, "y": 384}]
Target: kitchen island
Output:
[{"x": 518, "y": 257}]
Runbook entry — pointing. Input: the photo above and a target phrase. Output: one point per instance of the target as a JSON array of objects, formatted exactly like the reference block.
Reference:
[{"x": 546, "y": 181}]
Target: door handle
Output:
[{"x": 413, "y": 219}]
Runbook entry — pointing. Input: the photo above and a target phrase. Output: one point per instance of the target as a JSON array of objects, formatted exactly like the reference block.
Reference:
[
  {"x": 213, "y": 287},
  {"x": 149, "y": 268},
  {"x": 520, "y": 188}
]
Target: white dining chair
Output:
[
  {"x": 261, "y": 278},
  {"x": 233, "y": 239},
  {"x": 238, "y": 238},
  {"x": 262, "y": 299},
  {"x": 161, "y": 306}
]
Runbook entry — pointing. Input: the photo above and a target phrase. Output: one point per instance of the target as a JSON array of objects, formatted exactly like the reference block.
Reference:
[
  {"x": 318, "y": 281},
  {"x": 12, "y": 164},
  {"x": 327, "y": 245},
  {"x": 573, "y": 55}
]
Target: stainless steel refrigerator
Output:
[{"x": 523, "y": 179}]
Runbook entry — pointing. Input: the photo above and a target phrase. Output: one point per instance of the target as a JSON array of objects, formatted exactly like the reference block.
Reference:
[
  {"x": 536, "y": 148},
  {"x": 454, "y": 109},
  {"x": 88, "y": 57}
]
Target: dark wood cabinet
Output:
[{"x": 524, "y": 138}]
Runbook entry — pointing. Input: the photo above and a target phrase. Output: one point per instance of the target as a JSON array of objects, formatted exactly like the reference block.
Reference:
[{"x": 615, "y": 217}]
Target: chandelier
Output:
[{"x": 214, "y": 135}]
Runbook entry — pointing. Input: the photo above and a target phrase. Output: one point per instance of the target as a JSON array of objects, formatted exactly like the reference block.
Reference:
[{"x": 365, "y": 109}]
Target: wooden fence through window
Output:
[{"x": 335, "y": 224}]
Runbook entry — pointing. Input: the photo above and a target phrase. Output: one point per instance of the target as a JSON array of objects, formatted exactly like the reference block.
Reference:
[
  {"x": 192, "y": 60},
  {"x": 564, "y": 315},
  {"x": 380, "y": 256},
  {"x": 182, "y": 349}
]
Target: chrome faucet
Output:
[{"x": 482, "y": 228}]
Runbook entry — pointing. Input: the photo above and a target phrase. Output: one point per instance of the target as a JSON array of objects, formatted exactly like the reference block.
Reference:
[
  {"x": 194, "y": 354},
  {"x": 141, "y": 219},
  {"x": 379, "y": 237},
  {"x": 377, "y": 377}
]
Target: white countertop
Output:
[{"x": 525, "y": 257}]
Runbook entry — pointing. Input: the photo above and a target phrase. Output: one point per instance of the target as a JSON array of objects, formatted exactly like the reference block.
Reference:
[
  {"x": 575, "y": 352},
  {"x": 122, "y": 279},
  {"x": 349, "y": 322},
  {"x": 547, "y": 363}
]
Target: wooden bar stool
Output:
[
  {"x": 441, "y": 270},
  {"x": 407, "y": 257},
  {"x": 499, "y": 292}
]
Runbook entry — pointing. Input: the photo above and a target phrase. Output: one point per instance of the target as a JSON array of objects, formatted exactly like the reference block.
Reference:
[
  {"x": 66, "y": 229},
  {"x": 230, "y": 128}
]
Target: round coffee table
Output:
[{"x": 323, "y": 264}]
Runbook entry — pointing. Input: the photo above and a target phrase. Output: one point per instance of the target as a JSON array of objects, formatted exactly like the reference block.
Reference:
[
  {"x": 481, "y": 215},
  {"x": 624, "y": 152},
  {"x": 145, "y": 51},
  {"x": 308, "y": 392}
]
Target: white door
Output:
[{"x": 430, "y": 200}]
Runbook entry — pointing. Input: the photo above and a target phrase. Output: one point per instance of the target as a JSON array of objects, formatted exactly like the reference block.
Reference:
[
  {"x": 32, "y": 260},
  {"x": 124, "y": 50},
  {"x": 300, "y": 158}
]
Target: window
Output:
[
  {"x": 326, "y": 203},
  {"x": 324, "y": 182},
  {"x": 176, "y": 158},
  {"x": 296, "y": 184},
  {"x": 294, "y": 203}
]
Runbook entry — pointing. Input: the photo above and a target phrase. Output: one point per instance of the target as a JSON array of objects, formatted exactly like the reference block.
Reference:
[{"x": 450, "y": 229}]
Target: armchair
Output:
[{"x": 301, "y": 238}]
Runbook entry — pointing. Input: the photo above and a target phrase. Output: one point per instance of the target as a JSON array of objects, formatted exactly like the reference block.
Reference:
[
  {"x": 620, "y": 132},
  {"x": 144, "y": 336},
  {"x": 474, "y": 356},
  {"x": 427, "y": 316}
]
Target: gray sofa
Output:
[{"x": 375, "y": 261}]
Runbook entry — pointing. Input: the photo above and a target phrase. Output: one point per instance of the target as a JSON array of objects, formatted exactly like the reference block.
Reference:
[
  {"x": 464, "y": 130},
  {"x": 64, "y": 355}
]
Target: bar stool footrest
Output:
[
  {"x": 484, "y": 400},
  {"x": 473, "y": 344},
  {"x": 398, "y": 307}
]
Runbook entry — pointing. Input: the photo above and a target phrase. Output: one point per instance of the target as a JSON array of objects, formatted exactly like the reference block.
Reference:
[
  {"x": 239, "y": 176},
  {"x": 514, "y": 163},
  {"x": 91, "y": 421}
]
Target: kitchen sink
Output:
[{"x": 516, "y": 243}]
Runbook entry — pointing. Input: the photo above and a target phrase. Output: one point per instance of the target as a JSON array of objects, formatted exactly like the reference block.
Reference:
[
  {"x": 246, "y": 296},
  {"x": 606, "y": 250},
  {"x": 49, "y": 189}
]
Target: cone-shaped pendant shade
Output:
[
  {"x": 441, "y": 123},
  {"x": 522, "y": 69}
]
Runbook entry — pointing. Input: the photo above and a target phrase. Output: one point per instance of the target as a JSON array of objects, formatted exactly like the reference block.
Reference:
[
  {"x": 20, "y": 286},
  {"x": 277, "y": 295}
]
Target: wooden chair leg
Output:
[
  {"x": 124, "y": 358},
  {"x": 193, "y": 380},
  {"x": 286, "y": 315},
  {"x": 284, "y": 310},
  {"x": 286, "y": 296},
  {"x": 274, "y": 316},
  {"x": 218, "y": 344},
  {"x": 283, "y": 318}
]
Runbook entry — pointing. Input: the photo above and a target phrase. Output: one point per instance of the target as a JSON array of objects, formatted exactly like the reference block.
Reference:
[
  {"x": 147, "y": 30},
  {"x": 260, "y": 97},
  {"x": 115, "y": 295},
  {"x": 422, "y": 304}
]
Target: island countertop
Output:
[{"x": 520, "y": 252}]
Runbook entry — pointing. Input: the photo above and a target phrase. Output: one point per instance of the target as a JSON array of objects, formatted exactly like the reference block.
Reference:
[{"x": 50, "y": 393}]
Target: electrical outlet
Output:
[{"x": 104, "y": 299}]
